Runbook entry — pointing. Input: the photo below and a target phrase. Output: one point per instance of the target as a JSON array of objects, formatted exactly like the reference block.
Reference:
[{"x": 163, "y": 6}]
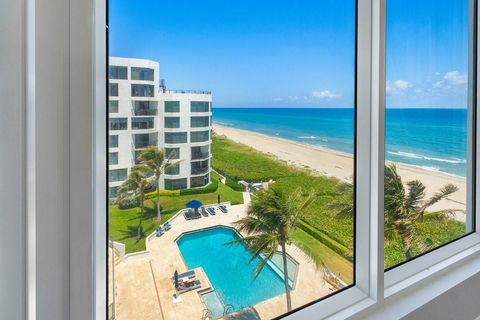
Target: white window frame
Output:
[{"x": 377, "y": 293}]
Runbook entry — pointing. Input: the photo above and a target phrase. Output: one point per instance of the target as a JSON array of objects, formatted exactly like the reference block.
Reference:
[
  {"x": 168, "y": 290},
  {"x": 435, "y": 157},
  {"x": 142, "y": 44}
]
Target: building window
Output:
[
  {"x": 172, "y": 153},
  {"x": 429, "y": 121},
  {"x": 145, "y": 108},
  {"x": 142, "y": 74},
  {"x": 143, "y": 90},
  {"x": 117, "y": 175},
  {"x": 175, "y": 170},
  {"x": 175, "y": 137},
  {"x": 199, "y": 106},
  {"x": 201, "y": 181},
  {"x": 112, "y": 158},
  {"x": 142, "y": 123},
  {"x": 200, "y": 152},
  {"x": 113, "y": 141},
  {"x": 199, "y": 167},
  {"x": 172, "y": 106},
  {"x": 197, "y": 122},
  {"x": 112, "y": 192},
  {"x": 113, "y": 106},
  {"x": 144, "y": 140},
  {"x": 176, "y": 184},
  {"x": 113, "y": 89},
  {"x": 172, "y": 122},
  {"x": 199, "y": 136},
  {"x": 118, "y": 123},
  {"x": 117, "y": 72}
]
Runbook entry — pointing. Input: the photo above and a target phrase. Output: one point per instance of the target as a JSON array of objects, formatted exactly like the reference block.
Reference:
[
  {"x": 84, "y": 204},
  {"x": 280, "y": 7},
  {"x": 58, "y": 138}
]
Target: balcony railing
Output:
[
  {"x": 200, "y": 155},
  {"x": 187, "y": 91},
  {"x": 145, "y": 112},
  {"x": 200, "y": 170},
  {"x": 144, "y": 144}
]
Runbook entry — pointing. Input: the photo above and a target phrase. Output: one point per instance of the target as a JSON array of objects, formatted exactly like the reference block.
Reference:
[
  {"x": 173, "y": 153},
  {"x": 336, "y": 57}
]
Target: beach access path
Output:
[{"x": 337, "y": 164}]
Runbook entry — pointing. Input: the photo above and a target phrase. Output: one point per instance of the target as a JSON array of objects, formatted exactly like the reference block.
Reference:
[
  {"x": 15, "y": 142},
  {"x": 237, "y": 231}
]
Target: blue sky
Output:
[{"x": 294, "y": 53}]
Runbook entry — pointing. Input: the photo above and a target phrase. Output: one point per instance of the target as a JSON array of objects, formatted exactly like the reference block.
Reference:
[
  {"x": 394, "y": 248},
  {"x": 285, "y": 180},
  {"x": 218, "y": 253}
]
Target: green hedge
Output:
[
  {"x": 153, "y": 194},
  {"x": 332, "y": 244},
  {"x": 234, "y": 184},
  {"x": 212, "y": 187}
]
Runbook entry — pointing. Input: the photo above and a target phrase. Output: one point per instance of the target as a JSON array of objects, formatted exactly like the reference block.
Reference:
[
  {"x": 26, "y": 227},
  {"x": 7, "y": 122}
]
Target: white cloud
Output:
[
  {"x": 325, "y": 94},
  {"x": 397, "y": 86},
  {"x": 452, "y": 79}
]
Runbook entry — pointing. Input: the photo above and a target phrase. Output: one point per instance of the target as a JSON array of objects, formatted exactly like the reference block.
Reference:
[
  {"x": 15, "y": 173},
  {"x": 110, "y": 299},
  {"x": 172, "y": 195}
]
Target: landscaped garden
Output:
[{"x": 123, "y": 223}]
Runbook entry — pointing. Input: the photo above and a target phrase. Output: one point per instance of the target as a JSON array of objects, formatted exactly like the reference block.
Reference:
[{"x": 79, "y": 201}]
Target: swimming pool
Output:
[{"x": 228, "y": 267}]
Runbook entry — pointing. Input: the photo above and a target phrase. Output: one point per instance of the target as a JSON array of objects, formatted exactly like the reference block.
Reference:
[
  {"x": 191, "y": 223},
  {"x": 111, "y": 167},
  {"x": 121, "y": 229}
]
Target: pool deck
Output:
[{"x": 145, "y": 290}]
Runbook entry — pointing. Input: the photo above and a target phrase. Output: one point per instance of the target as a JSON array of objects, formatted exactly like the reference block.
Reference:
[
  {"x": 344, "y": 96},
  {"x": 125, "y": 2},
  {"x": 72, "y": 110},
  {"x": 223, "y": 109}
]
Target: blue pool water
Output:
[
  {"x": 228, "y": 268},
  {"x": 434, "y": 138}
]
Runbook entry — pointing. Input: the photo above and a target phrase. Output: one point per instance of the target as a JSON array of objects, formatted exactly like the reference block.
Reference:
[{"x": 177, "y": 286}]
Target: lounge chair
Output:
[
  {"x": 188, "y": 286},
  {"x": 204, "y": 212},
  {"x": 159, "y": 232},
  {"x": 189, "y": 274},
  {"x": 223, "y": 208},
  {"x": 211, "y": 210},
  {"x": 189, "y": 214}
]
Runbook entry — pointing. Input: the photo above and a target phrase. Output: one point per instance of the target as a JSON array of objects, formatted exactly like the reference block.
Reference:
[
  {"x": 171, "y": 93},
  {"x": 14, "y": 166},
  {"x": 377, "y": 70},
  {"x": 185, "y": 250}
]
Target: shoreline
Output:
[{"x": 328, "y": 162}]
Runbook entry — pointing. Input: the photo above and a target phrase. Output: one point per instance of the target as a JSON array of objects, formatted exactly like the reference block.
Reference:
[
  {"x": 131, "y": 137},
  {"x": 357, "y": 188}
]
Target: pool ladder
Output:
[
  {"x": 207, "y": 314},
  {"x": 227, "y": 309}
]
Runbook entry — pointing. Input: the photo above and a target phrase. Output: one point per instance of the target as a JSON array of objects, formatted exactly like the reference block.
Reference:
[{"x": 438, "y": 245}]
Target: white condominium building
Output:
[{"x": 143, "y": 113}]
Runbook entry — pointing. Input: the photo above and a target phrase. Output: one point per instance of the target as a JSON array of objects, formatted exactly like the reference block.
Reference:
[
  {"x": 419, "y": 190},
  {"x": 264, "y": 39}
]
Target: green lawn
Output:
[
  {"x": 323, "y": 254},
  {"x": 123, "y": 223}
]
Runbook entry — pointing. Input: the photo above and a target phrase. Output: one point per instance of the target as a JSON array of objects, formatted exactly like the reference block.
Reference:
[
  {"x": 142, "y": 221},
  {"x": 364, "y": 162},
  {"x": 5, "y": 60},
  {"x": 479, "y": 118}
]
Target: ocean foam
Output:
[{"x": 416, "y": 156}]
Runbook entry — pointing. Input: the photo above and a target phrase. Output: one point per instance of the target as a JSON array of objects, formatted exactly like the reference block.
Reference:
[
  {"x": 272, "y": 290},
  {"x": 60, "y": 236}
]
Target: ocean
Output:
[{"x": 433, "y": 139}]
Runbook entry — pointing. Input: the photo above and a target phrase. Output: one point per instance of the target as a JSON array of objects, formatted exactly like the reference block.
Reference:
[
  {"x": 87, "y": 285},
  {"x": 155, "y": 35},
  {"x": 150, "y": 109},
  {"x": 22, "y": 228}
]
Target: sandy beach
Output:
[{"x": 332, "y": 163}]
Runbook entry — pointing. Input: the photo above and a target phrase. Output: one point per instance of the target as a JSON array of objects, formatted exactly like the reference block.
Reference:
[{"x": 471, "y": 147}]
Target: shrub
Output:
[
  {"x": 332, "y": 244},
  {"x": 128, "y": 202},
  {"x": 212, "y": 187},
  {"x": 234, "y": 185},
  {"x": 153, "y": 194}
]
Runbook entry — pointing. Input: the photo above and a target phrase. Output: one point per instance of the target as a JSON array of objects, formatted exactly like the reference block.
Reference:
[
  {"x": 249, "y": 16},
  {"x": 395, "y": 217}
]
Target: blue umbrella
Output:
[
  {"x": 175, "y": 276},
  {"x": 194, "y": 204}
]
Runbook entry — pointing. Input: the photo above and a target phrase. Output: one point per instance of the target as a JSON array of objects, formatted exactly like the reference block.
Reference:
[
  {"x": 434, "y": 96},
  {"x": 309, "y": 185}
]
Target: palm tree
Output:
[
  {"x": 405, "y": 206},
  {"x": 271, "y": 216},
  {"x": 137, "y": 183},
  {"x": 156, "y": 161}
]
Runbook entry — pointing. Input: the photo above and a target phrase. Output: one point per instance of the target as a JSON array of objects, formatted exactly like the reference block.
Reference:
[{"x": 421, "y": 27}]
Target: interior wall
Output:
[
  {"x": 460, "y": 303},
  {"x": 12, "y": 186}
]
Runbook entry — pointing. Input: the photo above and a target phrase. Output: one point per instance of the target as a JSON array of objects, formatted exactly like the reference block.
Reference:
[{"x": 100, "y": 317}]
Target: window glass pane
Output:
[
  {"x": 113, "y": 141},
  {"x": 117, "y": 175},
  {"x": 113, "y": 158},
  {"x": 176, "y": 184},
  {"x": 201, "y": 181},
  {"x": 117, "y": 72},
  {"x": 118, "y": 124},
  {"x": 142, "y": 123},
  {"x": 172, "y": 122},
  {"x": 142, "y": 74},
  {"x": 172, "y": 153},
  {"x": 428, "y": 127},
  {"x": 199, "y": 106},
  {"x": 142, "y": 90},
  {"x": 175, "y": 137},
  {"x": 200, "y": 152},
  {"x": 173, "y": 170},
  {"x": 199, "y": 136},
  {"x": 113, "y": 89},
  {"x": 262, "y": 114},
  {"x": 145, "y": 108},
  {"x": 144, "y": 140},
  {"x": 113, "y": 106},
  {"x": 172, "y": 106},
  {"x": 196, "y": 122}
]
